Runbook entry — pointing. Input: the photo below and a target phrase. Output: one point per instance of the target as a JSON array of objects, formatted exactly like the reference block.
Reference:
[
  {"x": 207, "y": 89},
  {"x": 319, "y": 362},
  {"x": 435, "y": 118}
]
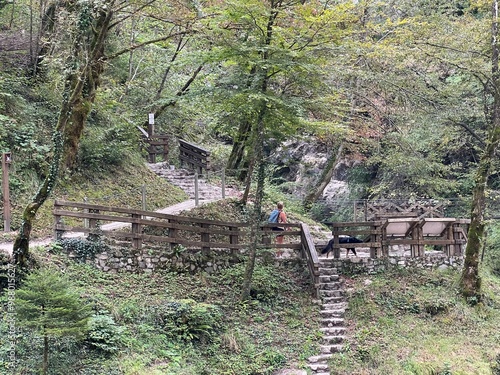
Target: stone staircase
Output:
[
  {"x": 331, "y": 287},
  {"x": 333, "y": 304},
  {"x": 185, "y": 179}
]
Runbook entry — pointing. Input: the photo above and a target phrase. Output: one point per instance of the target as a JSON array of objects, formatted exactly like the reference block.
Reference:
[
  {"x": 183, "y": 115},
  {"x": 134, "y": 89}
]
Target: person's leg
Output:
[{"x": 279, "y": 241}]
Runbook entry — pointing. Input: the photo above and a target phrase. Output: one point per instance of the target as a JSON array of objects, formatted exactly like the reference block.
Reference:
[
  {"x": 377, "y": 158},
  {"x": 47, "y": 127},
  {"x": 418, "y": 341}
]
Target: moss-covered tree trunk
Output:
[
  {"x": 255, "y": 219},
  {"x": 471, "y": 281},
  {"x": 84, "y": 95},
  {"x": 21, "y": 243},
  {"x": 81, "y": 86}
]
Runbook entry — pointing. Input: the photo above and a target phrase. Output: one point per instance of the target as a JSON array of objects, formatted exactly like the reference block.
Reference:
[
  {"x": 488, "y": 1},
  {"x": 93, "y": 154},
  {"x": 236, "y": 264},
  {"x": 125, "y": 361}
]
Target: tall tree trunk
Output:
[
  {"x": 21, "y": 243},
  {"x": 325, "y": 178},
  {"x": 471, "y": 281},
  {"x": 80, "y": 88},
  {"x": 83, "y": 100},
  {"x": 45, "y": 367},
  {"x": 238, "y": 151},
  {"x": 257, "y": 209}
]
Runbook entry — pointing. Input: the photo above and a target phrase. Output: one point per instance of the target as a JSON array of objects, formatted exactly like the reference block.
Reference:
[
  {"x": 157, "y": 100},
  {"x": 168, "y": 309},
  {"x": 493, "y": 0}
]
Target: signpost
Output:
[
  {"x": 6, "y": 160},
  {"x": 151, "y": 124}
]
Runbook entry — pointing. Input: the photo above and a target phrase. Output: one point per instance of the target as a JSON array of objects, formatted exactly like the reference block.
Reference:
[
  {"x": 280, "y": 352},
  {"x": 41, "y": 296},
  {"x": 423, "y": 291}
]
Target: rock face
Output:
[{"x": 303, "y": 163}]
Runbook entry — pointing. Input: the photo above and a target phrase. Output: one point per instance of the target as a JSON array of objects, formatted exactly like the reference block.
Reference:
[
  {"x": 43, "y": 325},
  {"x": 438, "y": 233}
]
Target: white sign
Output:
[{"x": 151, "y": 118}]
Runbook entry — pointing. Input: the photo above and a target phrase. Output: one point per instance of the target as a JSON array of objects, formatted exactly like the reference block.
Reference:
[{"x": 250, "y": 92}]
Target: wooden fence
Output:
[
  {"x": 157, "y": 144},
  {"x": 450, "y": 234},
  {"x": 194, "y": 157},
  {"x": 139, "y": 227}
]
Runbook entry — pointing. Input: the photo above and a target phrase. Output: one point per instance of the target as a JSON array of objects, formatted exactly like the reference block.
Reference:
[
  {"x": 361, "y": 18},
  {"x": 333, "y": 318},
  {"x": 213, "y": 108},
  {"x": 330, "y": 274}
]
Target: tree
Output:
[
  {"x": 471, "y": 281},
  {"x": 49, "y": 304},
  {"x": 86, "y": 50},
  {"x": 285, "y": 43}
]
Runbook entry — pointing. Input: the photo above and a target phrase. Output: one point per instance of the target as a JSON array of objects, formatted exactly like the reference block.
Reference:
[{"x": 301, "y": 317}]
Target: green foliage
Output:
[
  {"x": 48, "y": 303},
  {"x": 492, "y": 247},
  {"x": 102, "y": 150},
  {"x": 104, "y": 334},
  {"x": 267, "y": 285},
  {"x": 83, "y": 249},
  {"x": 188, "y": 320}
]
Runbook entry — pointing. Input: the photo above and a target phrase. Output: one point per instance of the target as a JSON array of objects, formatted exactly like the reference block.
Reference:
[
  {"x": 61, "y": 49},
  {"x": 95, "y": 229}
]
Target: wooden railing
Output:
[
  {"x": 311, "y": 255},
  {"x": 139, "y": 227},
  {"x": 379, "y": 236},
  {"x": 193, "y": 156},
  {"x": 157, "y": 144}
]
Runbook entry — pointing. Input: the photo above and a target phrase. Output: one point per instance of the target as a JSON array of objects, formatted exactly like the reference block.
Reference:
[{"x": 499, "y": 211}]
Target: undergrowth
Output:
[
  {"x": 415, "y": 322},
  {"x": 168, "y": 323}
]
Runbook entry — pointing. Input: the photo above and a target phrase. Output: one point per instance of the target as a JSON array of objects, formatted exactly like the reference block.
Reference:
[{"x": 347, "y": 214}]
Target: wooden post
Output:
[
  {"x": 6, "y": 160},
  {"x": 196, "y": 189},
  {"x": 57, "y": 220},
  {"x": 375, "y": 236},
  {"x": 223, "y": 180},
  {"x": 86, "y": 211},
  {"x": 336, "y": 245},
  {"x": 172, "y": 233},
  {"x": 205, "y": 237},
  {"x": 136, "y": 232},
  {"x": 234, "y": 238},
  {"x": 143, "y": 197}
]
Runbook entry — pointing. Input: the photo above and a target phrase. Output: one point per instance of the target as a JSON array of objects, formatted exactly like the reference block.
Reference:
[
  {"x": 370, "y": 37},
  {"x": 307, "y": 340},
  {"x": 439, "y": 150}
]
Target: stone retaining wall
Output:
[
  {"x": 148, "y": 259},
  {"x": 125, "y": 259},
  {"x": 358, "y": 265}
]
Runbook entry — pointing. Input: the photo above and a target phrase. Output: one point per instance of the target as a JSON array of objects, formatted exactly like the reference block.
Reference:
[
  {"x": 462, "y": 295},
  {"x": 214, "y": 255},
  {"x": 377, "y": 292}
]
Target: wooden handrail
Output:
[
  {"x": 194, "y": 156},
  {"x": 311, "y": 255}
]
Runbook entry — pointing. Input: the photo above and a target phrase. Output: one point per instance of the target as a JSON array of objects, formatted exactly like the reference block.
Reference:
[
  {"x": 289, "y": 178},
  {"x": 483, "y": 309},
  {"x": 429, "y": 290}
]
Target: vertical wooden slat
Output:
[
  {"x": 234, "y": 238},
  {"x": 205, "y": 237}
]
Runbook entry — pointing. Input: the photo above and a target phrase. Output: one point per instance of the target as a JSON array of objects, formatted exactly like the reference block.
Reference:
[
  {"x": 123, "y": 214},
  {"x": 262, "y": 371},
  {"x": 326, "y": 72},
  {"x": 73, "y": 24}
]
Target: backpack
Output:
[{"x": 273, "y": 218}]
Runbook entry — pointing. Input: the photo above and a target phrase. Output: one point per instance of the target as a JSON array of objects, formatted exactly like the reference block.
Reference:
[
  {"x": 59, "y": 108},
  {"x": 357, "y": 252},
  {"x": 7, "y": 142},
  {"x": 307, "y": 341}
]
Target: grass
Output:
[
  {"x": 120, "y": 188},
  {"x": 416, "y": 323},
  {"x": 278, "y": 328}
]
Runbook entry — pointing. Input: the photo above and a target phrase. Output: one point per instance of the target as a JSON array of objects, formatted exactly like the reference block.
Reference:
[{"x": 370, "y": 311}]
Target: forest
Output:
[{"x": 405, "y": 93}]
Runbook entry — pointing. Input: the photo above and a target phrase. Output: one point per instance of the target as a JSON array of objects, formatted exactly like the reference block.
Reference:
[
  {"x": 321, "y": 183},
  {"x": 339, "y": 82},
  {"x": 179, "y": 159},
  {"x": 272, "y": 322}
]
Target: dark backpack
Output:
[{"x": 273, "y": 218}]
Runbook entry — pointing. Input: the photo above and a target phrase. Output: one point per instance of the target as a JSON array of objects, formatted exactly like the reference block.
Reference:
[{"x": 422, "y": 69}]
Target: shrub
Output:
[
  {"x": 82, "y": 248},
  {"x": 104, "y": 334},
  {"x": 189, "y": 320}
]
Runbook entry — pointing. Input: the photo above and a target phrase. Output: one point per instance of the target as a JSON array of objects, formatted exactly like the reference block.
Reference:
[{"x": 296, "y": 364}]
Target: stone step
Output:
[
  {"x": 327, "y": 349},
  {"x": 333, "y": 331},
  {"x": 331, "y": 286},
  {"x": 332, "y": 340},
  {"x": 328, "y": 278},
  {"x": 332, "y": 313},
  {"x": 328, "y": 271},
  {"x": 320, "y": 358},
  {"x": 315, "y": 367},
  {"x": 318, "y": 366},
  {"x": 334, "y": 306},
  {"x": 326, "y": 300},
  {"x": 331, "y": 293},
  {"x": 332, "y": 322}
]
